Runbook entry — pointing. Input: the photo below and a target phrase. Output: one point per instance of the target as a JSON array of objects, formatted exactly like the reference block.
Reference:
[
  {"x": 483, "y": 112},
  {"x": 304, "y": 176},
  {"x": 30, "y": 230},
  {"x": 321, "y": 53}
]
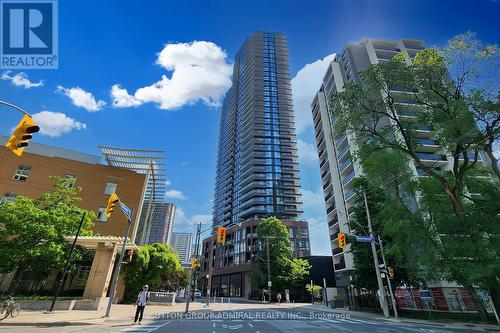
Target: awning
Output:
[{"x": 90, "y": 242}]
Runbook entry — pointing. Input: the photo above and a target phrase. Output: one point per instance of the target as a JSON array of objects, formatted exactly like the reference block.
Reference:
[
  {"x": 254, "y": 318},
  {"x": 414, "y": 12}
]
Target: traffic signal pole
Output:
[
  {"x": 210, "y": 263},
  {"x": 68, "y": 260},
  {"x": 268, "y": 269},
  {"x": 388, "y": 279},
  {"x": 117, "y": 269},
  {"x": 381, "y": 289},
  {"x": 190, "y": 284}
]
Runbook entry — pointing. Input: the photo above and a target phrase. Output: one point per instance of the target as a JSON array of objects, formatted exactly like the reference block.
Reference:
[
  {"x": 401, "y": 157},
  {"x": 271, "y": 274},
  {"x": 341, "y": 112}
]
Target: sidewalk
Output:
[
  {"x": 119, "y": 313},
  {"x": 376, "y": 316}
]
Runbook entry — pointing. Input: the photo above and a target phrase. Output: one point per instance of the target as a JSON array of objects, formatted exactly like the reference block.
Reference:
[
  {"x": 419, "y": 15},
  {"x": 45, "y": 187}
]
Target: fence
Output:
[{"x": 161, "y": 298}]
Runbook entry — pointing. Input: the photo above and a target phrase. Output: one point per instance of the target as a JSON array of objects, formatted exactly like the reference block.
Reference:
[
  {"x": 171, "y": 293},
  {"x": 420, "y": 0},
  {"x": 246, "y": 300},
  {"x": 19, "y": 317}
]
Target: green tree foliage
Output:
[
  {"x": 314, "y": 290},
  {"x": 443, "y": 225},
  {"x": 285, "y": 271},
  {"x": 32, "y": 236},
  {"x": 149, "y": 264}
]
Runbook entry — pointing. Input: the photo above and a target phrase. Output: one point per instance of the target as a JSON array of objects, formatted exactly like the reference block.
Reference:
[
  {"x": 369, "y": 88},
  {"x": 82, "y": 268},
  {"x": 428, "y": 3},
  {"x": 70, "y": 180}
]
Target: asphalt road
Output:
[{"x": 247, "y": 321}]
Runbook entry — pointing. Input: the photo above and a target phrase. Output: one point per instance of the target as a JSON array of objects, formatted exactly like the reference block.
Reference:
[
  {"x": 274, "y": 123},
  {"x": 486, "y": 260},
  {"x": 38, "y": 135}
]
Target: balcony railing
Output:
[
  {"x": 337, "y": 251},
  {"x": 430, "y": 142},
  {"x": 343, "y": 152},
  {"x": 431, "y": 157},
  {"x": 340, "y": 265},
  {"x": 348, "y": 178}
]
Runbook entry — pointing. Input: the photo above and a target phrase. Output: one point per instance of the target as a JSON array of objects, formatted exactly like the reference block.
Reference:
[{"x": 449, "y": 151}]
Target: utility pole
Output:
[
  {"x": 388, "y": 279},
  {"x": 117, "y": 269},
  {"x": 381, "y": 290},
  {"x": 190, "y": 284},
  {"x": 269, "y": 283},
  {"x": 324, "y": 288}
]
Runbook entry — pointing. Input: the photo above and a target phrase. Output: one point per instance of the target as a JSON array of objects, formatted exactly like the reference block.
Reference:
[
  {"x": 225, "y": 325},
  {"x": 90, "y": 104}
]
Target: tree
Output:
[
  {"x": 314, "y": 290},
  {"x": 285, "y": 271},
  {"x": 177, "y": 280},
  {"x": 149, "y": 264},
  {"x": 32, "y": 239},
  {"x": 442, "y": 90}
]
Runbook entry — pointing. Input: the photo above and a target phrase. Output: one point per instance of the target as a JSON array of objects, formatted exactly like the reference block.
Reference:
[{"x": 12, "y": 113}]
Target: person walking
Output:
[
  {"x": 141, "y": 301},
  {"x": 279, "y": 298}
]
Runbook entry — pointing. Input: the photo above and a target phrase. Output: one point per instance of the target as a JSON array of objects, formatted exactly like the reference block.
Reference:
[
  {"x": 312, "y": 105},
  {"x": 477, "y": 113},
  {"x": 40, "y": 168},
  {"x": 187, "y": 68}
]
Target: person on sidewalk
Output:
[
  {"x": 141, "y": 301},
  {"x": 279, "y": 298}
]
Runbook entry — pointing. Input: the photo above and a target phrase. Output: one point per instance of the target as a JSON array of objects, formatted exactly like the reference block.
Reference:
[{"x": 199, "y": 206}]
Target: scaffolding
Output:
[{"x": 148, "y": 162}]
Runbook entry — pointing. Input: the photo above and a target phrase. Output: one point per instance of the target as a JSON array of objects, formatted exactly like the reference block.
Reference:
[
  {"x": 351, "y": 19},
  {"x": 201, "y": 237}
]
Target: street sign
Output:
[
  {"x": 382, "y": 275},
  {"x": 269, "y": 284},
  {"x": 127, "y": 211},
  {"x": 365, "y": 239}
]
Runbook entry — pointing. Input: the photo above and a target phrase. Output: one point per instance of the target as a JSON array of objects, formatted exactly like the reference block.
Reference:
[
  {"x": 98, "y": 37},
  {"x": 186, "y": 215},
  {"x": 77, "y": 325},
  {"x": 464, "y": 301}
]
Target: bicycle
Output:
[{"x": 9, "y": 307}]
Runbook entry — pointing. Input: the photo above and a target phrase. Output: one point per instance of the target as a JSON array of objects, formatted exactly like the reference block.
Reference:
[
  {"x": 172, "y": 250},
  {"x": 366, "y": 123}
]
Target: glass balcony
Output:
[
  {"x": 348, "y": 178},
  {"x": 345, "y": 165},
  {"x": 343, "y": 152},
  {"x": 431, "y": 157},
  {"x": 337, "y": 251},
  {"x": 340, "y": 140},
  {"x": 430, "y": 142},
  {"x": 349, "y": 194}
]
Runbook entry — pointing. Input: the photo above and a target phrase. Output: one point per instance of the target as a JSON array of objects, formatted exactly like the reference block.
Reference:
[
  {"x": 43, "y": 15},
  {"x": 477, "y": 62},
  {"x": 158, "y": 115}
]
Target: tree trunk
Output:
[
  {"x": 455, "y": 201},
  {"x": 494, "y": 161},
  {"x": 479, "y": 305},
  {"x": 494, "y": 290}
]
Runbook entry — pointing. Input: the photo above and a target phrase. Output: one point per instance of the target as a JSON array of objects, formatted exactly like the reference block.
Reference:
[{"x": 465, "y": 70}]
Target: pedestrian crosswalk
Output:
[{"x": 144, "y": 328}]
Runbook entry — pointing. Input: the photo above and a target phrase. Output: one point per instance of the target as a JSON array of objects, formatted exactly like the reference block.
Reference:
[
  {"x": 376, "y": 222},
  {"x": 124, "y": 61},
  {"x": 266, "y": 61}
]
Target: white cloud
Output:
[
  {"x": 168, "y": 183},
  {"x": 182, "y": 219},
  {"x": 308, "y": 154},
  {"x": 305, "y": 84},
  {"x": 122, "y": 99},
  {"x": 174, "y": 194},
  {"x": 21, "y": 80},
  {"x": 82, "y": 98},
  {"x": 319, "y": 236},
  {"x": 314, "y": 202},
  {"x": 54, "y": 124},
  {"x": 200, "y": 72}
]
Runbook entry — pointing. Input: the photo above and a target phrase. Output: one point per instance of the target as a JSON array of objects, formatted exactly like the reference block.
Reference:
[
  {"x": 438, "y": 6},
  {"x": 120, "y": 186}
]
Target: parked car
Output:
[{"x": 197, "y": 294}]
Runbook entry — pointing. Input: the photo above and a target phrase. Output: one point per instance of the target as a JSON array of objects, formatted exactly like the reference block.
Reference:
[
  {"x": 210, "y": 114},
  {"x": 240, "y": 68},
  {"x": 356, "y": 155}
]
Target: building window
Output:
[
  {"x": 100, "y": 215},
  {"x": 110, "y": 188},
  {"x": 7, "y": 197},
  {"x": 22, "y": 173},
  {"x": 71, "y": 181}
]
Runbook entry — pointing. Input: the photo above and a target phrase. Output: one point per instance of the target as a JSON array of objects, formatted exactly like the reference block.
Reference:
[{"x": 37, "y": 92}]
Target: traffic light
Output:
[
  {"x": 390, "y": 272},
  {"x": 221, "y": 235},
  {"x": 127, "y": 258},
  {"x": 194, "y": 263},
  {"x": 341, "y": 239},
  {"x": 22, "y": 134},
  {"x": 113, "y": 199}
]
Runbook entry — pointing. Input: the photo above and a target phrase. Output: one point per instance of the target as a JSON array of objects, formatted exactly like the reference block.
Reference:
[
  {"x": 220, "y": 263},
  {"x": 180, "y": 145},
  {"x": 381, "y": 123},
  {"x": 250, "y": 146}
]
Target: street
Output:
[{"x": 257, "y": 320}]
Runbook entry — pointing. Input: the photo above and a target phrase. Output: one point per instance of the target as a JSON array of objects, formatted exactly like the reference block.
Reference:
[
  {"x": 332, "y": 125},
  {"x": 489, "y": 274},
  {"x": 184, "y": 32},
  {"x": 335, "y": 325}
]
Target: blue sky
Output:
[{"x": 133, "y": 43}]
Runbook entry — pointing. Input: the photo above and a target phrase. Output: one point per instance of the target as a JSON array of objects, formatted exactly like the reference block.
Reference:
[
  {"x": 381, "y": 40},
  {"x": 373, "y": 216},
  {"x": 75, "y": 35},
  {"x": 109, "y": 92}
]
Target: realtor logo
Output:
[{"x": 28, "y": 34}]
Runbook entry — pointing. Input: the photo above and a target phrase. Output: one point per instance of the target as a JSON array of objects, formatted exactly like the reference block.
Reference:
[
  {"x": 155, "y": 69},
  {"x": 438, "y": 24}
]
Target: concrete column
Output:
[{"x": 100, "y": 272}]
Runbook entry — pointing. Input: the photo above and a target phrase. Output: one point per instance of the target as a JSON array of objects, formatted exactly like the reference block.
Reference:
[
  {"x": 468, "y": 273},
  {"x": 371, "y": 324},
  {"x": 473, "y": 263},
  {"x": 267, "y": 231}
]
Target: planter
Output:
[{"x": 45, "y": 305}]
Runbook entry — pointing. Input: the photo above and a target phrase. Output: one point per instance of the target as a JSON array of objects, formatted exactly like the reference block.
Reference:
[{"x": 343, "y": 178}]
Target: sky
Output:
[{"x": 152, "y": 74}]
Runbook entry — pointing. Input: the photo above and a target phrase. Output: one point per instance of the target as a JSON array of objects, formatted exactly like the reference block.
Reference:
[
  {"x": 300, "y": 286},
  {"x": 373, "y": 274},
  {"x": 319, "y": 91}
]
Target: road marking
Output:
[
  {"x": 213, "y": 325},
  {"x": 250, "y": 325},
  {"x": 361, "y": 321}
]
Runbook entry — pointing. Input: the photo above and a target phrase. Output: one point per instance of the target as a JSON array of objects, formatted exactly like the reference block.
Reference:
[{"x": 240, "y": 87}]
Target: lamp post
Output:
[{"x": 68, "y": 260}]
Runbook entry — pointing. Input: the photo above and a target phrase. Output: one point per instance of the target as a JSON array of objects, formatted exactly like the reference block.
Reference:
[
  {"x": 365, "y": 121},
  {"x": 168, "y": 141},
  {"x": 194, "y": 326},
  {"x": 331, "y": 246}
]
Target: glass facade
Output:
[{"x": 257, "y": 169}]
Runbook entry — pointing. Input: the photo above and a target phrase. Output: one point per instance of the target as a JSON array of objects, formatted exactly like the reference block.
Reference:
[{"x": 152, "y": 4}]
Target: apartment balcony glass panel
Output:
[
  {"x": 343, "y": 152},
  {"x": 431, "y": 157},
  {"x": 348, "y": 178}
]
